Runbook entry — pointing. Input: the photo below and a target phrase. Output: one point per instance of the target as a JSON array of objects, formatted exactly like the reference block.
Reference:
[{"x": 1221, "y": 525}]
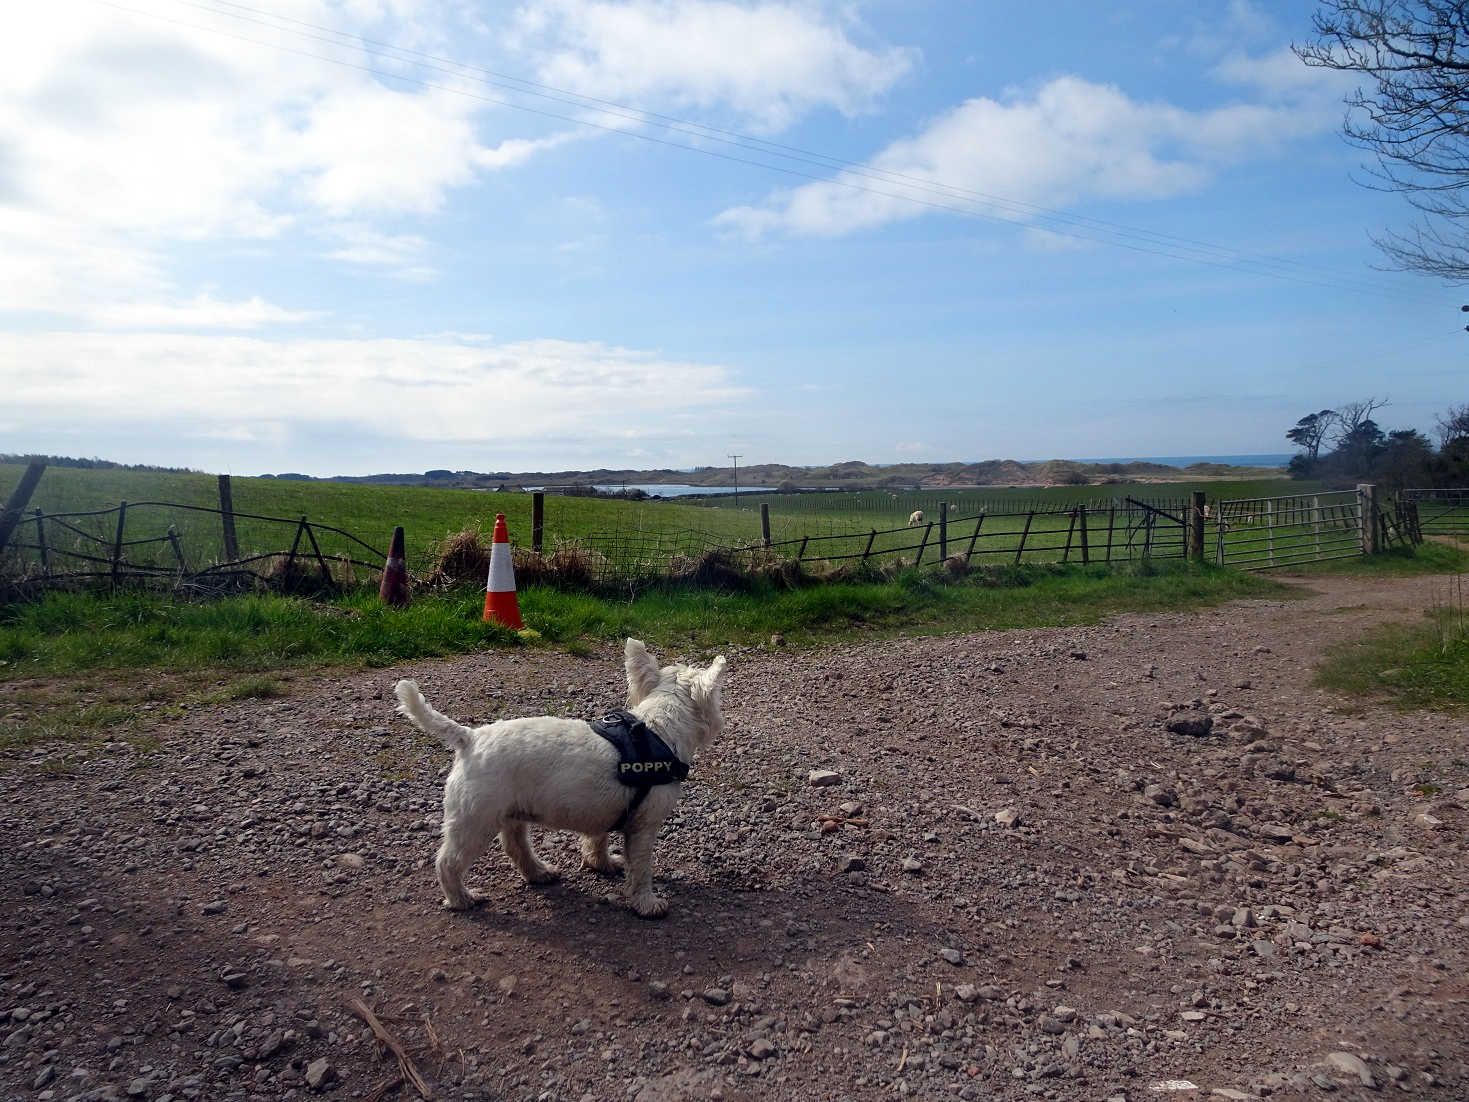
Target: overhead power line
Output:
[{"x": 941, "y": 196}]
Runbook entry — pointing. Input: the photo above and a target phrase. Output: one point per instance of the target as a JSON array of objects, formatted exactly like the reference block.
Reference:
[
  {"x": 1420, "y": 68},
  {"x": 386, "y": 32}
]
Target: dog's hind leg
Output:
[
  {"x": 515, "y": 837},
  {"x": 594, "y": 855},
  {"x": 456, "y": 853},
  {"x": 640, "y": 896}
]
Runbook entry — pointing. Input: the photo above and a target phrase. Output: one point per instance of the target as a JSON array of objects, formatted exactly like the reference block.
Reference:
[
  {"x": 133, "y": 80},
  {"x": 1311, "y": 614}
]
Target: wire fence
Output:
[
  {"x": 48, "y": 550},
  {"x": 178, "y": 546},
  {"x": 1441, "y": 512}
]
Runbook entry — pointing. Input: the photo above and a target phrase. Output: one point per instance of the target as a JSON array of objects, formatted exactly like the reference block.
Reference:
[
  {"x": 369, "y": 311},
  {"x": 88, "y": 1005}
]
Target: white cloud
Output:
[
  {"x": 767, "y": 61},
  {"x": 1072, "y": 140},
  {"x": 476, "y": 397},
  {"x": 122, "y": 136},
  {"x": 1282, "y": 75},
  {"x": 361, "y": 244},
  {"x": 204, "y": 312}
]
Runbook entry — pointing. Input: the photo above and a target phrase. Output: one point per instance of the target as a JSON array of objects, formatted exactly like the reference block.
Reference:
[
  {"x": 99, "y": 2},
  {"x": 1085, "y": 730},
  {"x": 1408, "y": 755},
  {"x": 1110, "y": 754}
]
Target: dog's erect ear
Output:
[
  {"x": 643, "y": 673},
  {"x": 712, "y": 678}
]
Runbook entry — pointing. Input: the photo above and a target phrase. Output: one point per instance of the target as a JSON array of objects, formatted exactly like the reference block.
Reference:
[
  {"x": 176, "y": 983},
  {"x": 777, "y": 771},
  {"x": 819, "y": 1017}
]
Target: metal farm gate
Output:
[{"x": 1261, "y": 533}]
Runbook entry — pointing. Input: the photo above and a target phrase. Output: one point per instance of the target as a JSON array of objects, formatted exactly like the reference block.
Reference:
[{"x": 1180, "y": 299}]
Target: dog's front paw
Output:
[
  {"x": 649, "y": 905},
  {"x": 544, "y": 874}
]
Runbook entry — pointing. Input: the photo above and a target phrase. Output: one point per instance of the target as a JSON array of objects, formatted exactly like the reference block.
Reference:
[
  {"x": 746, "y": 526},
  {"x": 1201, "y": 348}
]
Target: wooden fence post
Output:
[
  {"x": 801, "y": 554},
  {"x": 943, "y": 530},
  {"x": 122, "y": 512},
  {"x": 19, "y": 498},
  {"x": 1270, "y": 532},
  {"x": 41, "y": 541},
  {"x": 1023, "y": 533},
  {"x": 227, "y": 512},
  {"x": 295, "y": 544},
  {"x": 1070, "y": 532},
  {"x": 1367, "y": 522},
  {"x": 1111, "y": 519},
  {"x": 1196, "y": 527},
  {"x": 1085, "y": 551},
  {"x": 765, "y": 524},
  {"x": 974, "y": 538},
  {"x": 326, "y": 574},
  {"x": 178, "y": 552},
  {"x": 924, "y": 544},
  {"x": 537, "y": 519},
  {"x": 868, "y": 549},
  {"x": 1316, "y": 523}
]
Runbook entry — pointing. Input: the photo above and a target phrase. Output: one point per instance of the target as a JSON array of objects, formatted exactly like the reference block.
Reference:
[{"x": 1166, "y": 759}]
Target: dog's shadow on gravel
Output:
[{"x": 716, "y": 925}]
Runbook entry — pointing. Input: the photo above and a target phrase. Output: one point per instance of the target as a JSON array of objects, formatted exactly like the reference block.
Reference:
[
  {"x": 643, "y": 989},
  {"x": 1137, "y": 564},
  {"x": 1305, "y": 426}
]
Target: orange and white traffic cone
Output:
[
  {"x": 501, "y": 607},
  {"x": 394, "y": 587}
]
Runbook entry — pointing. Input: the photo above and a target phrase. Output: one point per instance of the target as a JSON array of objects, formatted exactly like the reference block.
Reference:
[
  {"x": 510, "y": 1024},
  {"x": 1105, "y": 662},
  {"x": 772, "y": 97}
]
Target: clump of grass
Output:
[
  {"x": 256, "y": 688},
  {"x": 1410, "y": 666}
]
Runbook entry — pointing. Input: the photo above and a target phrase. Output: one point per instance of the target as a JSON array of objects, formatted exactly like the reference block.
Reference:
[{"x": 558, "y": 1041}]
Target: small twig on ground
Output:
[
  {"x": 405, "y": 1062},
  {"x": 383, "y": 1089}
]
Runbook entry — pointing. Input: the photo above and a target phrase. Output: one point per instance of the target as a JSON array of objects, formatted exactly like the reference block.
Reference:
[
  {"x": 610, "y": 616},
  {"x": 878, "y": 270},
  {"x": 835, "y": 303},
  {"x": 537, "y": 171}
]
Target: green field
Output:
[{"x": 428, "y": 515}]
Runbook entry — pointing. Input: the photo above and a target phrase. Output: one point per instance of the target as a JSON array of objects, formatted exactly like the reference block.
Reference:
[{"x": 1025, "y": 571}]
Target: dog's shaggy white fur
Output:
[{"x": 561, "y": 774}]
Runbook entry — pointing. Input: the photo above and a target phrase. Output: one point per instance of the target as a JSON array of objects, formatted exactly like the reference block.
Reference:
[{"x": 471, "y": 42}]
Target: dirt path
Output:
[{"x": 1227, "y": 910}]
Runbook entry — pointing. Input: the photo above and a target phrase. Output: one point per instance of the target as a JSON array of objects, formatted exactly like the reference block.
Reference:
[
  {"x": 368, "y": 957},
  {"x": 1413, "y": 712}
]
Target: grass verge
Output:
[
  {"x": 1408, "y": 667},
  {"x": 67, "y": 662},
  {"x": 68, "y": 634},
  {"x": 1429, "y": 557}
]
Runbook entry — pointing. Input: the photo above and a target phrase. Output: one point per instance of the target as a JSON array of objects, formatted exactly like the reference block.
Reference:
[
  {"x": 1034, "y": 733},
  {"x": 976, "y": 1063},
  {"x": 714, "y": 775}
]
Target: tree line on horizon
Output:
[{"x": 1346, "y": 445}]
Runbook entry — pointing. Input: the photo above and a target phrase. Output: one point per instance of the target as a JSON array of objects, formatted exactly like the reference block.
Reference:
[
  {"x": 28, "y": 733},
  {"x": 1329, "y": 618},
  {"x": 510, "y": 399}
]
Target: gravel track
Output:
[{"x": 1022, "y": 884}]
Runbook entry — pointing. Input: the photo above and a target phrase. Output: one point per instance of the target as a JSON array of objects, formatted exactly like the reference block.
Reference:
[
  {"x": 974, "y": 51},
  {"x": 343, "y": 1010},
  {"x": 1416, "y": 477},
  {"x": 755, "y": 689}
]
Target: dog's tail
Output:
[{"x": 418, "y": 711}]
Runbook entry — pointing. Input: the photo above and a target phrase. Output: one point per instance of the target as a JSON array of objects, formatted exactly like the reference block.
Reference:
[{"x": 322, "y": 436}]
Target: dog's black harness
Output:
[{"x": 644, "y": 759}]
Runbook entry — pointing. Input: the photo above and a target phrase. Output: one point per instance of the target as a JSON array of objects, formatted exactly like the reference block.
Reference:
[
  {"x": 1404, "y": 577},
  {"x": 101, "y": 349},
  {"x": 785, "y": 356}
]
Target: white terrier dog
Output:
[{"x": 562, "y": 774}]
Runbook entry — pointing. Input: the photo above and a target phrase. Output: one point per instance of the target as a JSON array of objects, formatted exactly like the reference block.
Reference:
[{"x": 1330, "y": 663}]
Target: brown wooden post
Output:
[
  {"x": 178, "y": 552},
  {"x": 1081, "y": 520},
  {"x": 1196, "y": 527},
  {"x": 41, "y": 541},
  {"x": 295, "y": 544},
  {"x": 943, "y": 530},
  {"x": 974, "y": 538},
  {"x": 227, "y": 512},
  {"x": 868, "y": 549},
  {"x": 1111, "y": 518},
  {"x": 19, "y": 498},
  {"x": 326, "y": 574},
  {"x": 1024, "y": 532},
  {"x": 1070, "y": 532},
  {"x": 1367, "y": 522},
  {"x": 537, "y": 519},
  {"x": 122, "y": 512},
  {"x": 801, "y": 554},
  {"x": 924, "y": 544},
  {"x": 765, "y": 524}
]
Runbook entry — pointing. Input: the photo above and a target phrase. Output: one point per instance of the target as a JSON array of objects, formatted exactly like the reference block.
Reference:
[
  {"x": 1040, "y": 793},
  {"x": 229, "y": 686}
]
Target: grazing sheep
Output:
[{"x": 916, "y": 518}]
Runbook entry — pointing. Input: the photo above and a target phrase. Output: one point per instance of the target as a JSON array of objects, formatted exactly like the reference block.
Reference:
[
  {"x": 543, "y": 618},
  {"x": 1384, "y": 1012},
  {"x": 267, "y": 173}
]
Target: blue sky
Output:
[{"x": 345, "y": 237}]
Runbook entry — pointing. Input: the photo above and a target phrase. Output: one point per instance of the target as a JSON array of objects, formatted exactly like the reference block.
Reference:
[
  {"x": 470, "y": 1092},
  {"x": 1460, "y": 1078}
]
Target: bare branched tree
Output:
[
  {"x": 1452, "y": 424},
  {"x": 1411, "y": 113},
  {"x": 1351, "y": 417}
]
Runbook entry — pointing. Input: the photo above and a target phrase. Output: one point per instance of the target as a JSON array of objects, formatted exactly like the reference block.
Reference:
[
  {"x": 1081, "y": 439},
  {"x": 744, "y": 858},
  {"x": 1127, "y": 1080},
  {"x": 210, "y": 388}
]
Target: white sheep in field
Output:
[{"x": 916, "y": 518}]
